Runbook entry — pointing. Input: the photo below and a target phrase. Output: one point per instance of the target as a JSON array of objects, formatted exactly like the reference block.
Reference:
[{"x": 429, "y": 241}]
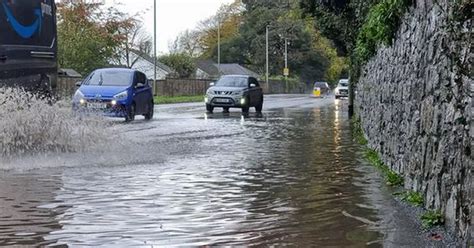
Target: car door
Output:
[
  {"x": 254, "y": 91},
  {"x": 141, "y": 91}
]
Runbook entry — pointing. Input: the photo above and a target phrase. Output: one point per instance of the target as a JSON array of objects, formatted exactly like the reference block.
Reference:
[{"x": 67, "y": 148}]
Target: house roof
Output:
[
  {"x": 235, "y": 69},
  {"x": 216, "y": 70},
  {"x": 208, "y": 67},
  {"x": 150, "y": 60}
]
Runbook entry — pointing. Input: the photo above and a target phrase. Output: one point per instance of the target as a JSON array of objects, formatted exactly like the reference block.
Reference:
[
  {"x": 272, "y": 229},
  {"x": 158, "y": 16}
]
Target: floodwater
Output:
[{"x": 293, "y": 176}]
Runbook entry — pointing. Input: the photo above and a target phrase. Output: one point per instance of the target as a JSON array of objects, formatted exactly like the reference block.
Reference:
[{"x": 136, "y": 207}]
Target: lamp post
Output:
[
  {"x": 154, "y": 46},
  {"x": 219, "y": 45},
  {"x": 286, "y": 64},
  {"x": 267, "y": 66}
]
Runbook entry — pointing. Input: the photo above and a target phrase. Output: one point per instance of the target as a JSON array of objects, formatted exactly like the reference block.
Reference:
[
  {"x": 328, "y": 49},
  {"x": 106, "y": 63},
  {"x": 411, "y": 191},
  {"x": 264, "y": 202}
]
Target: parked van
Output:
[{"x": 28, "y": 44}]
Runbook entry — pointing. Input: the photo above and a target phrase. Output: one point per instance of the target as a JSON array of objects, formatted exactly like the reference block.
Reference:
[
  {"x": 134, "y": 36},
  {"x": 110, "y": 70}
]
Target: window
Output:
[
  {"x": 254, "y": 81},
  {"x": 109, "y": 78},
  {"x": 140, "y": 79},
  {"x": 233, "y": 82}
]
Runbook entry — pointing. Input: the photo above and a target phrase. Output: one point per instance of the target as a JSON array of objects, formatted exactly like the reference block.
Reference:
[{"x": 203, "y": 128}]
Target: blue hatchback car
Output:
[{"x": 115, "y": 92}]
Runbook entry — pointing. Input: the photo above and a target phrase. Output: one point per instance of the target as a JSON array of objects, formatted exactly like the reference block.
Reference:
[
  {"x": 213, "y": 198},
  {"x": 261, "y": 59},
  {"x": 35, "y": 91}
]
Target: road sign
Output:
[{"x": 286, "y": 71}]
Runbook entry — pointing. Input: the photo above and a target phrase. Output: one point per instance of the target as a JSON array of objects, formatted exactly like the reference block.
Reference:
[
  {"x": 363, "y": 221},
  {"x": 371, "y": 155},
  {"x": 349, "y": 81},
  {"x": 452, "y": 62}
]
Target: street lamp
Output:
[
  {"x": 219, "y": 44},
  {"x": 154, "y": 45},
  {"x": 267, "y": 67}
]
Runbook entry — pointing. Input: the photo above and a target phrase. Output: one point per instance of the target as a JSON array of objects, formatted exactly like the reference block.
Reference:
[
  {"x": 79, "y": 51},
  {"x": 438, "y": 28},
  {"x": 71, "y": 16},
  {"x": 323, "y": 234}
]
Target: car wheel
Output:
[
  {"x": 151, "y": 110},
  {"x": 130, "y": 113},
  {"x": 209, "y": 108},
  {"x": 259, "y": 107},
  {"x": 245, "y": 110}
]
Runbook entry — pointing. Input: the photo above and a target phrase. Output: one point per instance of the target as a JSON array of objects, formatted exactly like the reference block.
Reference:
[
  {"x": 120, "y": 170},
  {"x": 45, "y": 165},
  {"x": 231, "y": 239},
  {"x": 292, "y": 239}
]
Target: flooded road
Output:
[{"x": 293, "y": 176}]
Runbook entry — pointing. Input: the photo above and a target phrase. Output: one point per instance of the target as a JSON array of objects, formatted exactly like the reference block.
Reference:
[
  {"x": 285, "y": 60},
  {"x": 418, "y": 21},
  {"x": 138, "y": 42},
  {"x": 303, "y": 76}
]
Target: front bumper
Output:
[
  {"x": 104, "y": 107},
  {"x": 226, "y": 101},
  {"x": 342, "y": 93}
]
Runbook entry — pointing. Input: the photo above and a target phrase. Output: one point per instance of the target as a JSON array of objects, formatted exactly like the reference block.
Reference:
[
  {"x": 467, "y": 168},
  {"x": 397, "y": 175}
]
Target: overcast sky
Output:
[{"x": 173, "y": 16}]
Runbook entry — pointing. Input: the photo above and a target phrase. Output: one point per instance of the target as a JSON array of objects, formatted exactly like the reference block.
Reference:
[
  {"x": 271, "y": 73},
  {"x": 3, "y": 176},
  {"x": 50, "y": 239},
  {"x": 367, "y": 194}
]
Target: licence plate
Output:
[
  {"x": 223, "y": 100},
  {"x": 97, "y": 105}
]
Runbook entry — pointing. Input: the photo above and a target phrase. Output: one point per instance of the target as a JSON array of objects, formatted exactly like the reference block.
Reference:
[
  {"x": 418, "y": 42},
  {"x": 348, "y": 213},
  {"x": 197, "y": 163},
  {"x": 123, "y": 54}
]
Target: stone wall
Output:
[{"x": 414, "y": 101}]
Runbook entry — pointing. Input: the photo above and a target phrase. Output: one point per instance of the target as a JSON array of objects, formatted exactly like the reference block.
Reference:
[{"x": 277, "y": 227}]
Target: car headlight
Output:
[
  {"x": 78, "y": 96},
  {"x": 121, "y": 95},
  {"x": 237, "y": 93}
]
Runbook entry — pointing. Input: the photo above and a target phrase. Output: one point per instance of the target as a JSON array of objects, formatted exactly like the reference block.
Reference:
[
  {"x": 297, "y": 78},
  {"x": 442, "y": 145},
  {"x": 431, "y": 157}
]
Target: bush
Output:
[
  {"x": 380, "y": 27},
  {"x": 432, "y": 218},
  {"x": 412, "y": 197}
]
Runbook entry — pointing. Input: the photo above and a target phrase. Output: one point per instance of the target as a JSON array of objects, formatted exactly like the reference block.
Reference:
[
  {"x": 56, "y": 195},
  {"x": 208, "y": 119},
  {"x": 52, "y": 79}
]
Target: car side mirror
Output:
[
  {"x": 140, "y": 85},
  {"x": 78, "y": 83},
  {"x": 253, "y": 85},
  {"x": 212, "y": 84}
]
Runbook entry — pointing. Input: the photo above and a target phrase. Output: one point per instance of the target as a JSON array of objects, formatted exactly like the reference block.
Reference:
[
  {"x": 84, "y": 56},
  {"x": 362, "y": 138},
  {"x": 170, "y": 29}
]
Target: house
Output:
[
  {"x": 144, "y": 63},
  {"x": 207, "y": 69}
]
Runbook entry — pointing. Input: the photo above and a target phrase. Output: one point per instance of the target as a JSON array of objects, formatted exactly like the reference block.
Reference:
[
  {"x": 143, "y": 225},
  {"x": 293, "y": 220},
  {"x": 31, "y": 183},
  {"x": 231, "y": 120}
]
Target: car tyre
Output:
[
  {"x": 259, "y": 107},
  {"x": 151, "y": 110},
  {"x": 130, "y": 113},
  {"x": 245, "y": 110},
  {"x": 209, "y": 108}
]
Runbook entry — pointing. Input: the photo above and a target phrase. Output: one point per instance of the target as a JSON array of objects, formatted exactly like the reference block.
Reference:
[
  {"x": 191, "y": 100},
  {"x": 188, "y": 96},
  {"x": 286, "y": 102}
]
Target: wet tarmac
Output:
[{"x": 291, "y": 176}]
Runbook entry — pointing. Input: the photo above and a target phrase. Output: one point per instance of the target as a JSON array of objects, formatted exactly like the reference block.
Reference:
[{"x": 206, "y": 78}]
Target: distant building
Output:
[
  {"x": 207, "y": 69},
  {"x": 145, "y": 64}
]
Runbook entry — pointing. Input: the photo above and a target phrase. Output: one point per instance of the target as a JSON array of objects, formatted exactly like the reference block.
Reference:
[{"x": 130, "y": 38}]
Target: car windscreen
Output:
[
  {"x": 320, "y": 85},
  {"x": 343, "y": 84},
  {"x": 233, "y": 82},
  {"x": 110, "y": 78}
]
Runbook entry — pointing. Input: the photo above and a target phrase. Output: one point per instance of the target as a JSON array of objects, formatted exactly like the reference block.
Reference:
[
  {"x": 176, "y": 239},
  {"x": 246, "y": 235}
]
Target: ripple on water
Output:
[{"x": 286, "y": 179}]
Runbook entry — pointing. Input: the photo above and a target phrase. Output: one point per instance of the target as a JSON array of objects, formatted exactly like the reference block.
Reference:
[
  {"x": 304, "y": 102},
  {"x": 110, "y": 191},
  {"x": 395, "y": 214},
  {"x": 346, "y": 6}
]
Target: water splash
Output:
[{"x": 30, "y": 125}]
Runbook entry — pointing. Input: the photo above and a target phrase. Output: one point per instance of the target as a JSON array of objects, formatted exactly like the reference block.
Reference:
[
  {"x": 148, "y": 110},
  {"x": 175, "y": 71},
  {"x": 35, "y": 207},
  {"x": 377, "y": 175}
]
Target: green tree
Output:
[
  {"x": 182, "y": 63},
  {"x": 88, "y": 36}
]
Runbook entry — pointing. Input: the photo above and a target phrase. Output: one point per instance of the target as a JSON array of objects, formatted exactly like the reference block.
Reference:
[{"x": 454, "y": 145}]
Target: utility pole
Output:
[
  {"x": 286, "y": 63},
  {"x": 267, "y": 59},
  {"x": 154, "y": 46},
  {"x": 219, "y": 45}
]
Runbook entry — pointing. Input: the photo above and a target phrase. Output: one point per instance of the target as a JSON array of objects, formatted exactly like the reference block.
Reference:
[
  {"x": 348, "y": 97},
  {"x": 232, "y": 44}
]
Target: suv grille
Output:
[{"x": 223, "y": 93}]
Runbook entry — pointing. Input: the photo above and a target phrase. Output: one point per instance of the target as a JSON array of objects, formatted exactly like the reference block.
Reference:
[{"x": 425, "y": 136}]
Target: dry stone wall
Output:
[{"x": 414, "y": 101}]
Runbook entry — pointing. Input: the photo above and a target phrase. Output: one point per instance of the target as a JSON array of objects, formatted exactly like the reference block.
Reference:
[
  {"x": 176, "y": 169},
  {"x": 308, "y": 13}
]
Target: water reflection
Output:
[
  {"x": 287, "y": 178},
  {"x": 24, "y": 219}
]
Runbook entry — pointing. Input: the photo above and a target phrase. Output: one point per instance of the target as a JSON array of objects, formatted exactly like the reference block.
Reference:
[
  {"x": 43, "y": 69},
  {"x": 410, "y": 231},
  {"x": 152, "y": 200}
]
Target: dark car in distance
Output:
[{"x": 235, "y": 91}]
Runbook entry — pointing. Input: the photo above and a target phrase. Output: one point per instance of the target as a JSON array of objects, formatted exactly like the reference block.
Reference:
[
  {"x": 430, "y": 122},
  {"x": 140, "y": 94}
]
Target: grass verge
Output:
[{"x": 177, "y": 99}]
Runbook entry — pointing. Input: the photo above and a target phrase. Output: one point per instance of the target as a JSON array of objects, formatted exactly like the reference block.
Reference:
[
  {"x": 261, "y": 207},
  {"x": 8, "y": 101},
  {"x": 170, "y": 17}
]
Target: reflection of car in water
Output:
[
  {"x": 116, "y": 93},
  {"x": 321, "y": 89},
  {"x": 236, "y": 91},
  {"x": 342, "y": 89},
  {"x": 28, "y": 44}
]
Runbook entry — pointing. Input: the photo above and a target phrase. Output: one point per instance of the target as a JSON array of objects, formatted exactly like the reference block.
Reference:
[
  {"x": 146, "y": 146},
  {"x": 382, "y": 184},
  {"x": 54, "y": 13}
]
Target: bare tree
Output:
[
  {"x": 136, "y": 44},
  {"x": 187, "y": 43}
]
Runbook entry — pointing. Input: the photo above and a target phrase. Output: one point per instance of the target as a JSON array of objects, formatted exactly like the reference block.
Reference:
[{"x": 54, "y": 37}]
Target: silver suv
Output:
[{"x": 235, "y": 91}]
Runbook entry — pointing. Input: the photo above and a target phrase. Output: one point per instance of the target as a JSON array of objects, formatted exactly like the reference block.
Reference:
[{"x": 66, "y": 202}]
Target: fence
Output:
[
  {"x": 66, "y": 87},
  {"x": 186, "y": 87},
  {"x": 192, "y": 87},
  {"x": 181, "y": 87}
]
